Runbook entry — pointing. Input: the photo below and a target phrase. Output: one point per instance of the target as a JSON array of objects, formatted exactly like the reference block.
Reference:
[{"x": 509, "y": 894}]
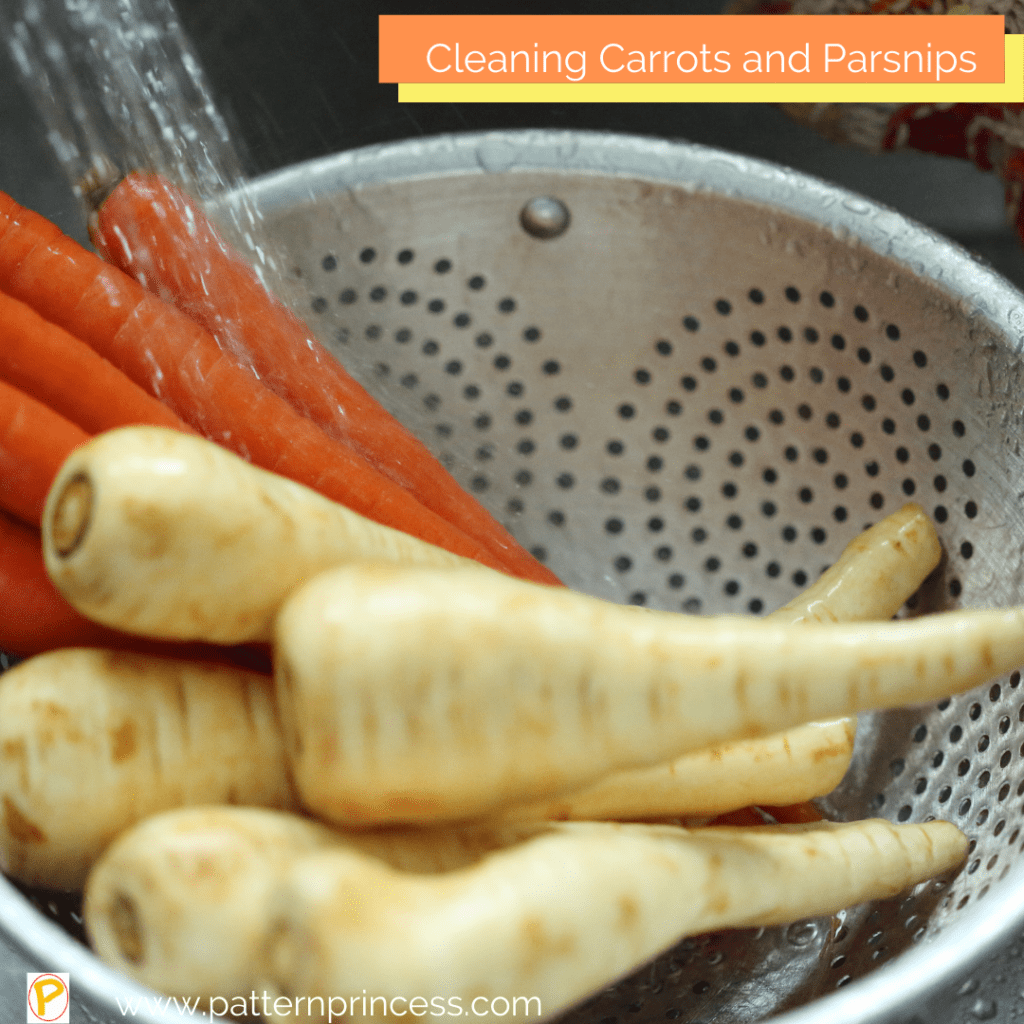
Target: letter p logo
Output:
[{"x": 49, "y": 998}]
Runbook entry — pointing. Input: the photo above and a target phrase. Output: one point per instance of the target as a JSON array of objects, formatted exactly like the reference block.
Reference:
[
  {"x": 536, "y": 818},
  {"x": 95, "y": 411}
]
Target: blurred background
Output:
[{"x": 299, "y": 80}]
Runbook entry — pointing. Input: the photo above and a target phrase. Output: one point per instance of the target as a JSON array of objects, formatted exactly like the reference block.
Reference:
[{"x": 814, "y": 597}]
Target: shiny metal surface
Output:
[{"x": 693, "y": 398}]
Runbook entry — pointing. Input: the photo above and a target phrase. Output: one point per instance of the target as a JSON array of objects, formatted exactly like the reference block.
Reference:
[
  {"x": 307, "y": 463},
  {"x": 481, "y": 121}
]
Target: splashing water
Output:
[{"x": 119, "y": 88}]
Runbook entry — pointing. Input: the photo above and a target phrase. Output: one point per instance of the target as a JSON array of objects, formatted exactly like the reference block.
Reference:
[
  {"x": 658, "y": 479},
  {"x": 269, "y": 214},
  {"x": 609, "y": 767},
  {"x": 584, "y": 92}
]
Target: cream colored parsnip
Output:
[
  {"x": 570, "y": 910},
  {"x": 177, "y": 901},
  {"x": 92, "y": 741},
  {"x": 210, "y": 871},
  {"x": 219, "y": 901},
  {"x": 871, "y": 580},
  {"x": 799, "y": 764},
  {"x": 416, "y": 694},
  {"x": 167, "y": 535},
  {"x": 875, "y": 574}
]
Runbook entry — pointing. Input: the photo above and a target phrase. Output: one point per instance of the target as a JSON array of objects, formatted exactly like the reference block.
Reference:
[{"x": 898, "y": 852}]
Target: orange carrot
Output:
[
  {"x": 35, "y": 618},
  {"x": 745, "y": 816},
  {"x": 179, "y": 362},
  {"x": 54, "y": 367},
  {"x": 792, "y": 814},
  {"x": 34, "y": 442},
  {"x": 154, "y": 232},
  {"x": 795, "y": 814}
]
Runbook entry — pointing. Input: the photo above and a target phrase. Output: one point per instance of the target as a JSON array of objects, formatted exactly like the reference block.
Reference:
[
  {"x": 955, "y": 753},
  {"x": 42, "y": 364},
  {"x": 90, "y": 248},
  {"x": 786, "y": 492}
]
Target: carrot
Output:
[
  {"x": 176, "y": 360},
  {"x": 156, "y": 233},
  {"x": 33, "y": 616},
  {"x": 34, "y": 442},
  {"x": 804, "y": 813},
  {"x": 166, "y": 535},
  {"x": 795, "y": 814},
  {"x": 54, "y": 367},
  {"x": 534, "y": 691},
  {"x": 744, "y": 817},
  {"x": 92, "y": 741}
]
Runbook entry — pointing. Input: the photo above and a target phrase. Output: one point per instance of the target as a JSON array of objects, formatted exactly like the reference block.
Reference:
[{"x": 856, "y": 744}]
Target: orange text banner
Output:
[{"x": 748, "y": 49}]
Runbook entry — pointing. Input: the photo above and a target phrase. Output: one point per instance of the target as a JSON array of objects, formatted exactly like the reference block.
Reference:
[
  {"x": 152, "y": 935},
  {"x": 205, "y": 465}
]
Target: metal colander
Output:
[{"x": 687, "y": 379}]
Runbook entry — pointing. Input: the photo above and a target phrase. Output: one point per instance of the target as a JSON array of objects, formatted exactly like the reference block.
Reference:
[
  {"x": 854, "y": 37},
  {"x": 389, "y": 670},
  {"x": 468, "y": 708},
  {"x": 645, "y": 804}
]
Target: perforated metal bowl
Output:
[{"x": 691, "y": 392}]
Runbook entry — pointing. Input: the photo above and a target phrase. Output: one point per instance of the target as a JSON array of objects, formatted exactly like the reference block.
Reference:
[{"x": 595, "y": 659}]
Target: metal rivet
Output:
[{"x": 544, "y": 217}]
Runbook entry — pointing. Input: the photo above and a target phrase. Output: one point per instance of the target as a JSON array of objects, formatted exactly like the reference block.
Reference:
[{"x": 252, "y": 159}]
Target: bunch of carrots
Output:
[{"x": 171, "y": 327}]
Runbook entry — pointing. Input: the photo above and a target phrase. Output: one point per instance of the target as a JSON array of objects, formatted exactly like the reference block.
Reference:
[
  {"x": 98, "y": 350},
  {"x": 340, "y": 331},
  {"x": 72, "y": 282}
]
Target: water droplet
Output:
[
  {"x": 803, "y": 933},
  {"x": 984, "y": 1009},
  {"x": 496, "y": 156},
  {"x": 568, "y": 149},
  {"x": 856, "y": 206}
]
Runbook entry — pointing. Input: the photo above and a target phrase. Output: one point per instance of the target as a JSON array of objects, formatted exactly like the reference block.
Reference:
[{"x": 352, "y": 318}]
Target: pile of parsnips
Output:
[{"x": 462, "y": 709}]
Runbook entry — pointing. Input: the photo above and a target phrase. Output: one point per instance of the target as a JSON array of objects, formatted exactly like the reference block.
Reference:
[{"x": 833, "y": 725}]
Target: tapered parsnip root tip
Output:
[
  {"x": 876, "y": 573},
  {"x": 804, "y": 762},
  {"x": 70, "y": 514}
]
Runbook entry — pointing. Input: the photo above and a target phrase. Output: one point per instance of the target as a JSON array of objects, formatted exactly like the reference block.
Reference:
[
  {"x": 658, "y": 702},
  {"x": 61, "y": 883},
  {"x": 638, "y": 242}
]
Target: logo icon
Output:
[{"x": 49, "y": 998}]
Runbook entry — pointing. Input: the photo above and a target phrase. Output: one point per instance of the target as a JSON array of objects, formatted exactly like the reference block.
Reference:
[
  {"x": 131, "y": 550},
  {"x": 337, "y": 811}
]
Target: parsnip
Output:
[
  {"x": 417, "y": 694},
  {"x": 169, "y": 536},
  {"x": 188, "y": 901},
  {"x": 790, "y": 767},
  {"x": 92, "y": 741},
  {"x": 178, "y": 902},
  {"x": 560, "y": 915},
  {"x": 872, "y": 579},
  {"x": 874, "y": 575}
]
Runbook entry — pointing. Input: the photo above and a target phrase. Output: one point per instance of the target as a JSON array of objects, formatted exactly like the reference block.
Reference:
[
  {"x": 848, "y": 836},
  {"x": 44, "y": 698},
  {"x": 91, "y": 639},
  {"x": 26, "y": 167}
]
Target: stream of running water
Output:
[{"x": 119, "y": 88}]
